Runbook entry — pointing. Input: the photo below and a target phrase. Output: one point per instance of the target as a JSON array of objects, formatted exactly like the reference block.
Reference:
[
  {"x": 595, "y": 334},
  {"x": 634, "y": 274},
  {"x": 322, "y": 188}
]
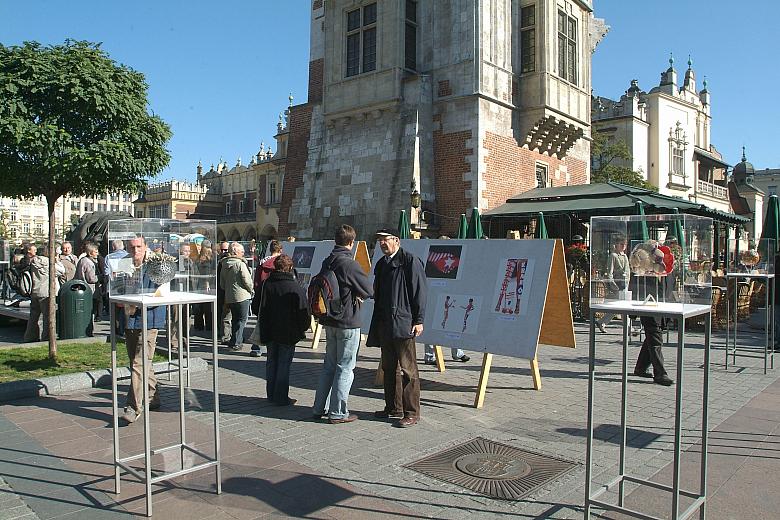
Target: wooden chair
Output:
[{"x": 719, "y": 305}]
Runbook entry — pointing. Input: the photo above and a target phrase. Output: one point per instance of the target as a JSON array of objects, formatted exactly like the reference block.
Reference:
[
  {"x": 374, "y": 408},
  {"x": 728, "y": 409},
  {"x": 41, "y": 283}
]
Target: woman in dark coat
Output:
[{"x": 283, "y": 321}]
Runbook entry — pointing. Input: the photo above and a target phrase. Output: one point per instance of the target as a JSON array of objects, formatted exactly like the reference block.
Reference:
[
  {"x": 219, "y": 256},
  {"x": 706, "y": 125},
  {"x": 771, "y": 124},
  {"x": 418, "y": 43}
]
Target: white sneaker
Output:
[{"x": 601, "y": 327}]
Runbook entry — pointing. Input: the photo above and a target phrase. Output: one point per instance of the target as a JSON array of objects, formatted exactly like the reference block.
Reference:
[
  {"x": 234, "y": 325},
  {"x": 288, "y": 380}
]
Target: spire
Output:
[
  {"x": 670, "y": 76},
  {"x": 744, "y": 158},
  {"x": 689, "y": 83},
  {"x": 704, "y": 95},
  {"x": 290, "y": 97},
  {"x": 671, "y": 61},
  {"x": 280, "y": 124}
]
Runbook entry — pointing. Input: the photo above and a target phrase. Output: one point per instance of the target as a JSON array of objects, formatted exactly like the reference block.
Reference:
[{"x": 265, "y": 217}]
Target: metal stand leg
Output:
[
  {"x": 728, "y": 325},
  {"x": 678, "y": 418},
  {"x": 705, "y": 417},
  {"x": 215, "y": 361},
  {"x": 736, "y": 321},
  {"x": 766, "y": 330},
  {"x": 623, "y": 406},
  {"x": 182, "y": 427},
  {"x": 147, "y": 434},
  {"x": 187, "y": 345},
  {"x": 591, "y": 374},
  {"x": 115, "y": 404}
]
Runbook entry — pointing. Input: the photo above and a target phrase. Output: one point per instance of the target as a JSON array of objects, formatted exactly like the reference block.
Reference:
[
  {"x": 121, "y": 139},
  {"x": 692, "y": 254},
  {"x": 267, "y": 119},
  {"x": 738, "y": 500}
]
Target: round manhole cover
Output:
[{"x": 492, "y": 466}]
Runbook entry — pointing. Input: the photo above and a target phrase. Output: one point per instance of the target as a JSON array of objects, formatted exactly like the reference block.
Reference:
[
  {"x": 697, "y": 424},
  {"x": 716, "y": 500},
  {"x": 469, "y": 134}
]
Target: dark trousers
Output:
[
  {"x": 651, "y": 348},
  {"x": 277, "y": 372},
  {"x": 203, "y": 316},
  {"x": 240, "y": 315},
  {"x": 225, "y": 319},
  {"x": 402, "y": 392}
]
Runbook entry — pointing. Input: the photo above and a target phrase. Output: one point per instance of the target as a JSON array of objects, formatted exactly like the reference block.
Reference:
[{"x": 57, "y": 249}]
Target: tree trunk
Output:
[{"x": 51, "y": 200}]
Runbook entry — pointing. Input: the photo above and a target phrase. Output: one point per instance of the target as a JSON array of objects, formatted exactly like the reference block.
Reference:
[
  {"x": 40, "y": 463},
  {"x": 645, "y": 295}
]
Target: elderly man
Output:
[
  {"x": 399, "y": 311},
  {"x": 155, "y": 320},
  {"x": 69, "y": 261},
  {"x": 236, "y": 281}
]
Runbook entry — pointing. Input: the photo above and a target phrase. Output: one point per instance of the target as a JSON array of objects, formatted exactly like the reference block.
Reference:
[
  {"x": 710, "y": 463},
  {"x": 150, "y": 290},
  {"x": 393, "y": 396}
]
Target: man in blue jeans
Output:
[{"x": 343, "y": 334}]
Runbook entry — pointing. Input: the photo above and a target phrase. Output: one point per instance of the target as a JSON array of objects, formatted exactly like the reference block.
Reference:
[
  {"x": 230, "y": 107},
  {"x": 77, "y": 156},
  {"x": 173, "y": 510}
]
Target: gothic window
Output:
[
  {"x": 528, "y": 39},
  {"x": 410, "y": 36},
  {"x": 361, "y": 40},
  {"x": 228, "y": 208},
  {"x": 541, "y": 175},
  {"x": 677, "y": 147},
  {"x": 241, "y": 204},
  {"x": 567, "y": 47}
]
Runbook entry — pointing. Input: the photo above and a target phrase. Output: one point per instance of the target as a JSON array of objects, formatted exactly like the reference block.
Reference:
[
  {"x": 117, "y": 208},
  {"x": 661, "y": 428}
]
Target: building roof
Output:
[
  {"x": 709, "y": 157},
  {"x": 611, "y": 198}
]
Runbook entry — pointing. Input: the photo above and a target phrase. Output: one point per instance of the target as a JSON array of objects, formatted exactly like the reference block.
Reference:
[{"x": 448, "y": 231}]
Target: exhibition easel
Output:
[
  {"x": 557, "y": 327},
  {"x": 360, "y": 254},
  {"x": 144, "y": 302}
]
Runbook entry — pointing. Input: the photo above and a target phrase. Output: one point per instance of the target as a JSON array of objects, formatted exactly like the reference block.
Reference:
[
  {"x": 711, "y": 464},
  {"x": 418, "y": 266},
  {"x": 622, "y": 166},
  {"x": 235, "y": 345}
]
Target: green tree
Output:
[
  {"x": 604, "y": 155},
  {"x": 74, "y": 121}
]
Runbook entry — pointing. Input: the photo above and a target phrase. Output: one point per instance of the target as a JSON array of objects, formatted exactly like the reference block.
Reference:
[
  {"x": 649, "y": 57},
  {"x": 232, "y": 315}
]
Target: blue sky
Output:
[{"x": 220, "y": 71}]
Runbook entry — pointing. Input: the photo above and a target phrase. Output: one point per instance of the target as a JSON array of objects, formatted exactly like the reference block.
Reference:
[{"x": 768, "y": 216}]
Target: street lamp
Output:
[{"x": 414, "y": 197}]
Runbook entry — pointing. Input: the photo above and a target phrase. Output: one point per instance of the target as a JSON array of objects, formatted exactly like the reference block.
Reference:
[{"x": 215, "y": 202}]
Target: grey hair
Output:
[
  {"x": 89, "y": 247},
  {"x": 117, "y": 245},
  {"x": 235, "y": 248}
]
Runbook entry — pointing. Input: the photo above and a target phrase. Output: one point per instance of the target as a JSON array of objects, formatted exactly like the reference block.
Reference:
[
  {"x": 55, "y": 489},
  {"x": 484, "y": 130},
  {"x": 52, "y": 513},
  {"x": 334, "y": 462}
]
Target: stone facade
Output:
[{"x": 397, "y": 102}]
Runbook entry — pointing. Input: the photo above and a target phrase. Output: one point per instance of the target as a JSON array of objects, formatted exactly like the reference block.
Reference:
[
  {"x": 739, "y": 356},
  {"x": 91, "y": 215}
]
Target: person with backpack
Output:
[
  {"x": 399, "y": 311},
  {"x": 283, "y": 321},
  {"x": 263, "y": 271},
  {"x": 335, "y": 297}
]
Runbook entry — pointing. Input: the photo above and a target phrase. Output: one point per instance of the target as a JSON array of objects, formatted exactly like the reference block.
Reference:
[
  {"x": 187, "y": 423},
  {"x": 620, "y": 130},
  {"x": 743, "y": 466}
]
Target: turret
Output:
[
  {"x": 704, "y": 95},
  {"x": 690, "y": 78}
]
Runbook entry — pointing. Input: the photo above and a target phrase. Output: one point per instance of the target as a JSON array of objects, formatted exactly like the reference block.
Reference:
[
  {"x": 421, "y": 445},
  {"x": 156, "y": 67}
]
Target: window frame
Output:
[
  {"x": 568, "y": 47},
  {"x": 544, "y": 180},
  {"x": 411, "y": 26},
  {"x": 357, "y": 40},
  {"x": 528, "y": 48}
]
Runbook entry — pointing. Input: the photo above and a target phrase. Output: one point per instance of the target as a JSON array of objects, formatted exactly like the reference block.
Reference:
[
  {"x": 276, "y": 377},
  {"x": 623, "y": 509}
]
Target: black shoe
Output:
[
  {"x": 663, "y": 380},
  {"x": 463, "y": 359},
  {"x": 235, "y": 348},
  {"x": 430, "y": 361},
  {"x": 154, "y": 404},
  {"x": 646, "y": 374}
]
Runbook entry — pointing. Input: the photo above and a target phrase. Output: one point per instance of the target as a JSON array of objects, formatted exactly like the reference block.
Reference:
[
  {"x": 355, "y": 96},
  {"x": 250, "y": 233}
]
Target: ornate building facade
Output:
[
  {"x": 668, "y": 133},
  {"x": 466, "y": 103}
]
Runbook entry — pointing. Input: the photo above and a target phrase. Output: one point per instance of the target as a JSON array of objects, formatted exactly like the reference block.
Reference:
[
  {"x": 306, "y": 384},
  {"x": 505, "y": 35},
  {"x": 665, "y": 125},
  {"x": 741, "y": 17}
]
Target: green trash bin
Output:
[{"x": 75, "y": 309}]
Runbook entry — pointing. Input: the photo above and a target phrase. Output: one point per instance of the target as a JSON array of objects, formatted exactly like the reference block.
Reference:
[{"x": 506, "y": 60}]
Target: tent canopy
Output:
[{"x": 611, "y": 198}]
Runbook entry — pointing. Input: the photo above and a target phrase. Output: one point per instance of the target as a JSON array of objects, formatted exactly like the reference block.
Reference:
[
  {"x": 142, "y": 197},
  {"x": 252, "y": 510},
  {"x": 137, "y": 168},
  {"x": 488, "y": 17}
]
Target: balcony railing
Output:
[{"x": 712, "y": 190}]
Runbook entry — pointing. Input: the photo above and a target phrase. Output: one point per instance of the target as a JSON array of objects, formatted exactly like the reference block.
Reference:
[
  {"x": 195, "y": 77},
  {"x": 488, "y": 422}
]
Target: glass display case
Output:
[
  {"x": 161, "y": 256},
  {"x": 749, "y": 258},
  {"x": 652, "y": 261}
]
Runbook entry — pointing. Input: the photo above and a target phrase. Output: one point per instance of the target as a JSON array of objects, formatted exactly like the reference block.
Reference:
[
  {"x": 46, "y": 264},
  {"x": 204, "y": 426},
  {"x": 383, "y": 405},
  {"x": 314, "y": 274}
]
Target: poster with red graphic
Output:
[{"x": 443, "y": 262}]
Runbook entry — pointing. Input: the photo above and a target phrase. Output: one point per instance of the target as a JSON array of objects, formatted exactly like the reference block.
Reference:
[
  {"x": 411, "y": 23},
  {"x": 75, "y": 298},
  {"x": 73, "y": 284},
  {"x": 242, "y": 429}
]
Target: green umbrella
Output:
[
  {"x": 463, "y": 226},
  {"x": 767, "y": 245},
  {"x": 475, "y": 225},
  {"x": 404, "y": 231},
  {"x": 541, "y": 228}
]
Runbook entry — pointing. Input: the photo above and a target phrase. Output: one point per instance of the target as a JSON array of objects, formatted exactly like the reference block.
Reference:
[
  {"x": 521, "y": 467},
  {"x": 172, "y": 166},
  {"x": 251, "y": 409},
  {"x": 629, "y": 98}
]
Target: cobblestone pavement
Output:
[{"x": 368, "y": 456}]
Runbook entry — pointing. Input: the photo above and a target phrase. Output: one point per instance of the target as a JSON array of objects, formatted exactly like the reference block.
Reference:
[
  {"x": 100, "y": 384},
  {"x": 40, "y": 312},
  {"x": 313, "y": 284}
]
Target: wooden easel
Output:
[
  {"x": 557, "y": 324},
  {"x": 360, "y": 252}
]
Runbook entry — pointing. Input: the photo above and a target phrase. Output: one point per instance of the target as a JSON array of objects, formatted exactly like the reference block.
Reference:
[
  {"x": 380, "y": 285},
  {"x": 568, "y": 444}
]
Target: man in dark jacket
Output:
[
  {"x": 342, "y": 334},
  {"x": 283, "y": 321},
  {"x": 399, "y": 311}
]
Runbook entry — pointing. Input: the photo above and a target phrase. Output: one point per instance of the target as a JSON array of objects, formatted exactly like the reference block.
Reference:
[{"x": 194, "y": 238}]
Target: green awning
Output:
[{"x": 612, "y": 198}]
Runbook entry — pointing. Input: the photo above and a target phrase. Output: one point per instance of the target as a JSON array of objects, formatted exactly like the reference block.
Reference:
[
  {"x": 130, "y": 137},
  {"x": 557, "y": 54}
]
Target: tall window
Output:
[
  {"x": 271, "y": 193},
  {"x": 241, "y": 206},
  {"x": 528, "y": 39},
  {"x": 227, "y": 208},
  {"x": 567, "y": 47},
  {"x": 677, "y": 146},
  {"x": 361, "y": 40},
  {"x": 410, "y": 36},
  {"x": 541, "y": 175}
]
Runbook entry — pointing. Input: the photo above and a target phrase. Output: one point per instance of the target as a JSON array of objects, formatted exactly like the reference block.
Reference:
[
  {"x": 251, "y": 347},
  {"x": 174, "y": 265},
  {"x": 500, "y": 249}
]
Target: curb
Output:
[{"x": 68, "y": 383}]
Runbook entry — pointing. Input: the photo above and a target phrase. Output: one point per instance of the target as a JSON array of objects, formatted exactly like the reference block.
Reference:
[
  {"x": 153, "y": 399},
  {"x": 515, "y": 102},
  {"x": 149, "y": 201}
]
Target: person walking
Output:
[
  {"x": 618, "y": 275},
  {"x": 39, "y": 295},
  {"x": 399, "y": 311},
  {"x": 155, "y": 320},
  {"x": 283, "y": 321},
  {"x": 237, "y": 283},
  {"x": 342, "y": 334}
]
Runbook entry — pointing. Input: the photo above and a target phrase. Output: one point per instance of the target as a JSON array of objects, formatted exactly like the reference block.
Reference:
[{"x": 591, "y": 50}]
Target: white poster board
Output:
[{"x": 487, "y": 295}]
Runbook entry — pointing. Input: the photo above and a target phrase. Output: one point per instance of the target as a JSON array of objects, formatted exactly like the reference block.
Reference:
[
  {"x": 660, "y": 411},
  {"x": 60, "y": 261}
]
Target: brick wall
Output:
[
  {"x": 316, "y": 71},
  {"x": 449, "y": 166},
  {"x": 297, "y": 155},
  {"x": 511, "y": 169}
]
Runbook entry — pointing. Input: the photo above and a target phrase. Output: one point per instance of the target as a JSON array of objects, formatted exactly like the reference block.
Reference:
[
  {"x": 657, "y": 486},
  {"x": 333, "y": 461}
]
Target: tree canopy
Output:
[
  {"x": 605, "y": 154},
  {"x": 74, "y": 121}
]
